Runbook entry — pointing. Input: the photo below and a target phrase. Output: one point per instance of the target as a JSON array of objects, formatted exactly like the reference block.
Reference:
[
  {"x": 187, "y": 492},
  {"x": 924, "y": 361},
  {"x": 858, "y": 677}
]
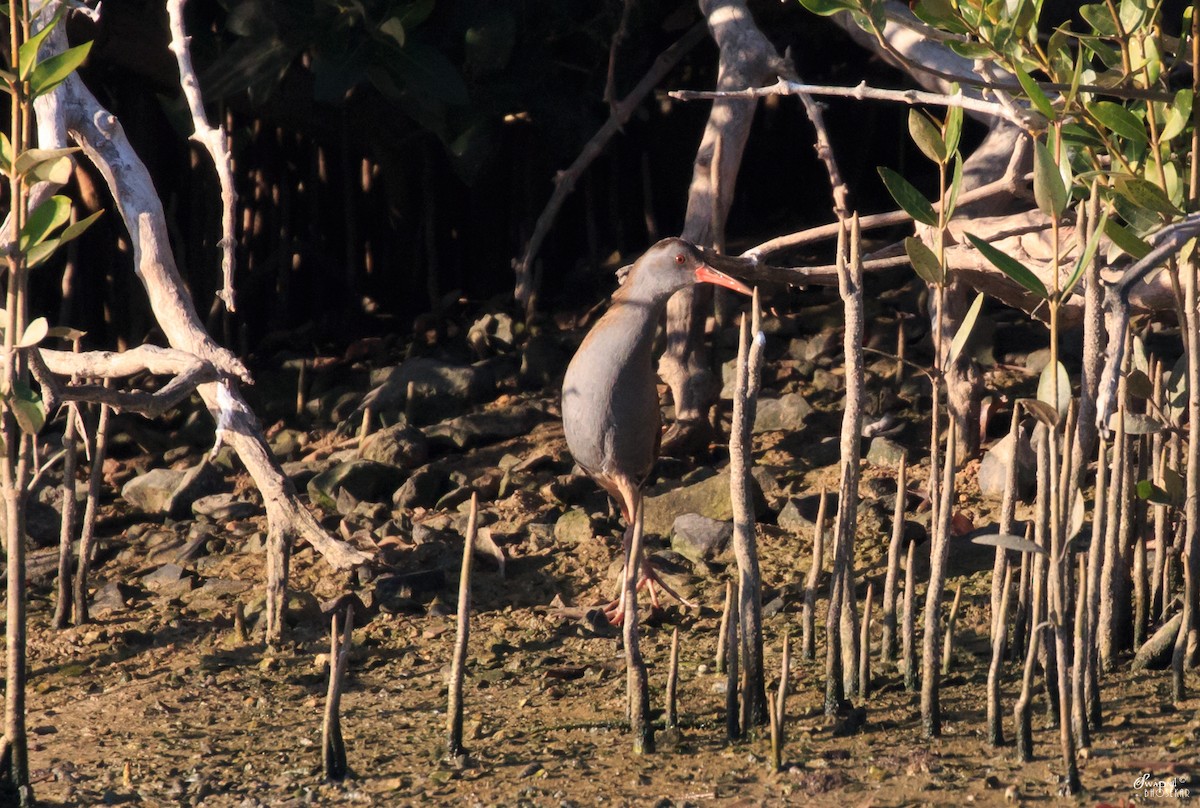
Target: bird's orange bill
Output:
[{"x": 706, "y": 274}]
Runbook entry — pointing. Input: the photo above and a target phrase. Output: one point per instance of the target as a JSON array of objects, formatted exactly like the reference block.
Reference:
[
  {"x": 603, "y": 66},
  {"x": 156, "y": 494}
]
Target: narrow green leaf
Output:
[
  {"x": 1172, "y": 483},
  {"x": 1035, "y": 94},
  {"x": 956, "y": 181},
  {"x": 1138, "y": 385},
  {"x": 1178, "y": 116},
  {"x": 1119, "y": 120},
  {"x": 35, "y": 332},
  {"x": 52, "y": 72},
  {"x": 1085, "y": 260},
  {"x": 1009, "y": 541},
  {"x": 1046, "y": 391},
  {"x": 27, "y": 53},
  {"x": 952, "y": 131},
  {"x": 1150, "y": 492},
  {"x": 76, "y": 229},
  {"x": 923, "y": 260},
  {"x": 1096, "y": 14},
  {"x": 1010, "y": 267},
  {"x": 1125, "y": 238},
  {"x": 44, "y": 219},
  {"x": 38, "y": 254},
  {"x": 393, "y": 28},
  {"x": 926, "y": 135},
  {"x": 908, "y": 197},
  {"x": 1048, "y": 188},
  {"x": 964, "y": 329},
  {"x": 1041, "y": 410},
  {"x": 66, "y": 332},
  {"x": 826, "y": 7},
  {"x": 1144, "y": 194},
  {"x": 27, "y": 408},
  {"x": 6, "y": 153},
  {"x": 38, "y": 164}
]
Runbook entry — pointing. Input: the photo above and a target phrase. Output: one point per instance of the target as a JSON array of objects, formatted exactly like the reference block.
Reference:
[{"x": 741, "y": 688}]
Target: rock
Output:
[
  {"x": 110, "y": 598},
  {"x": 993, "y": 469},
  {"x": 885, "y": 452},
  {"x": 302, "y": 608},
  {"x": 439, "y": 389},
  {"x": 1036, "y": 361},
  {"x": 793, "y": 520},
  {"x": 574, "y": 527},
  {"x": 286, "y": 443},
  {"x": 42, "y": 523},
  {"x": 421, "y": 489},
  {"x": 364, "y": 480},
  {"x": 403, "y": 590},
  {"x": 169, "y": 580},
  {"x": 225, "y": 508},
  {"x": 699, "y": 538},
  {"x": 542, "y": 362},
  {"x": 483, "y": 428},
  {"x": 708, "y": 497},
  {"x": 151, "y": 491},
  {"x": 401, "y": 445},
  {"x": 783, "y": 414}
]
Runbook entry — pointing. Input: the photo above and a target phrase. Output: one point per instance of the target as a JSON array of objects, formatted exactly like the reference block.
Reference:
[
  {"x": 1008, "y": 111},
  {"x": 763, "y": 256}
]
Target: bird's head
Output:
[{"x": 673, "y": 264}]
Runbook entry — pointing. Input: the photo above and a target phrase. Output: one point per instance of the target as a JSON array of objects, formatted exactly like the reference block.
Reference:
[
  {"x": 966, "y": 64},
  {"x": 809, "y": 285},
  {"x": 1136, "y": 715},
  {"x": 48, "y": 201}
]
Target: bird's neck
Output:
[{"x": 631, "y": 322}]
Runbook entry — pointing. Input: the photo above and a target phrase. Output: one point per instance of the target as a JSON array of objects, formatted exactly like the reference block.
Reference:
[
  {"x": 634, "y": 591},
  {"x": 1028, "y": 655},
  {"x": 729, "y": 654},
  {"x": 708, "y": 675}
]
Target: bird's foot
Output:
[{"x": 651, "y": 581}]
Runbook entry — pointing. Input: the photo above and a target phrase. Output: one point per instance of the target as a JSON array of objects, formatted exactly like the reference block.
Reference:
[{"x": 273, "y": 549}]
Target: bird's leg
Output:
[{"x": 615, "y": 610}]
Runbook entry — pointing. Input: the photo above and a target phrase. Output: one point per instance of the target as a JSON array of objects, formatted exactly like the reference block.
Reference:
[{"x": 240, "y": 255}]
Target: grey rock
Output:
[
  {"x": 483, "y": 428},
  {"x": 302, "y": 608},
  {"x": 401, "y": 445},
  {"x": 542, "y": 362},
  {"x": 42, "y": 523},
  {"x": 439, "y": 389},
  {"x": 574, "y": 527},
  {"x": 403, "y": 591},
  {"x": 225, "y": 508},
  {"x": 824, "y": 381},
  {"x": 994, "y": 468},
  {"x": 151, "y": 492},
  {"x": 364, "y": 480},
  {"x": 421, "y": 489},
  {"x": 286, "y": 443},
  {"x": 1036, "y": 361},
  {"x": 110, "y": 598},
  {"x": 885, "y": 452},
  {"x": 792, "y": 519},
  {"x": 708, "y": 497},
  {"x": 699, "y": 538},
  {"x": 169, "y": 580},
  {"x": 783, "y": 414}
]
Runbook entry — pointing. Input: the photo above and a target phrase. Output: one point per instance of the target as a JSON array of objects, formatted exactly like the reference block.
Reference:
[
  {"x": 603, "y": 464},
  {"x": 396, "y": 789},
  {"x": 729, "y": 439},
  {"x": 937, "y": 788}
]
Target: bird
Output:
[{"x": 610, "y": 407}]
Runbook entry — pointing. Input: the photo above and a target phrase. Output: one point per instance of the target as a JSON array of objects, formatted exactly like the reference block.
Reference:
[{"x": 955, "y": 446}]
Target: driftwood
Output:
[{"x": 72, "y": 113}]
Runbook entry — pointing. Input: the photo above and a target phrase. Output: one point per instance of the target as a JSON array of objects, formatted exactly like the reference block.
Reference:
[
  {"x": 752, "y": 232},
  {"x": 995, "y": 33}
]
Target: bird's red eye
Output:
[{"x": 679, "y": 258}]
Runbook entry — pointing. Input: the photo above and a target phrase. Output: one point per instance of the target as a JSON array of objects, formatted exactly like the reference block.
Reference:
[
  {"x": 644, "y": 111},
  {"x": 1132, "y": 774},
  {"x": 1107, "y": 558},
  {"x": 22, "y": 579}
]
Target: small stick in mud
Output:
[
  {"x": 333, "y": 748},
  {"x": 732, "y": 721},
  {"x": 723, "y": 634},
  {"x": 948, "y": 646},
  {"x": 454, "y": 711},
  {"x": 887, "y": 649},
  {"x": 672, "y": 717},
  {"x": 864, "y": 645},
  {"x": 908, "y": 634},
  {"x": 777, "y": 707},
  {"x": 807, "y": 635},
  {"x": 999, "y": 639},
  {"x": 239, "y": 622}
]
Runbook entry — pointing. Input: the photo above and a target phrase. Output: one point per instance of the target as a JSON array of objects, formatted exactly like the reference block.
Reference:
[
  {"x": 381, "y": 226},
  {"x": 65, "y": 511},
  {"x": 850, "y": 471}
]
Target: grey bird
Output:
[{"x": 610, "y": 405}]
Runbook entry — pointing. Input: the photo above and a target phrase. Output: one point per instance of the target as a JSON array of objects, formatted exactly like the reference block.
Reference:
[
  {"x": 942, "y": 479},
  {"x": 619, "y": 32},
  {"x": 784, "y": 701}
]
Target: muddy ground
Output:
[{"x": 160, "y": 702}]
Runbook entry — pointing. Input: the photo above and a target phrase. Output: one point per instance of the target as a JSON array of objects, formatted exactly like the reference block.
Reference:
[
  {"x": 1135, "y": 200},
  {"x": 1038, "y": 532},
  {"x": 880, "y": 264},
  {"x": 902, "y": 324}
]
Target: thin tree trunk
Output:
[
  {"x": 931, "y": 714},
  {"x": 887, "y": 648},
  {"x": 87, "y": 533},
  {"x": 999, "y": 639},
  {"x": 70, "y": 509},
  {"x": 808, "y": 638}
]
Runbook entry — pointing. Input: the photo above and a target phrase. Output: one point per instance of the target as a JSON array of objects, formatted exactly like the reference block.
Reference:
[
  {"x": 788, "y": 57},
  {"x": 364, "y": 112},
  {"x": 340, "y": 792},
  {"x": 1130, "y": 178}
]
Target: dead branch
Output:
[
  {"x": 564, "y": 181},
  {"x": 454, "y": 712},
  {"x": 333, "y": 748},
  {"x": 214, "y": 140}
]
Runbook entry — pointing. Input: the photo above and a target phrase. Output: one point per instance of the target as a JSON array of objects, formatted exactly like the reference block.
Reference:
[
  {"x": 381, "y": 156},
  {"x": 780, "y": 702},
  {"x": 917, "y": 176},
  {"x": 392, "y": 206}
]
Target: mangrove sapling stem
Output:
[
  {"x": 1008, "y": 509},
  {"x": 637, "y": 682},
  {"x": 1060, "y": 582},
  {"x": 1095, "y": 560},
  {"x": 70, "y": 509},
  {"x": 1021, "y": 618},
  {"x": 458, "y": 665},
  {"x": 672, "y": 717},
  {"x": 1041, "y": 528},
  {"x": 87, "y": 531},
  {"x": 1158, "y": 451},
  {"x": 1105, "y": 637},
  {"x": 778, "y": 707},
  {"x": 333, "y": 748},
  {"x": 807, "y": 637},
  {"x": 732, "y": 726},
  {"x": 1079, "y": 722},
  {"x": 1022, "y": 712},
  {"x": 723, "y": 633},
  {"x": 741, "y": 462},
  {"x": 887, "y": 649},
  {"x": 931, "y": 718},
  {"x": 908, "y": 634},
  {"x": 999, "y": 639},
  {"x": 1141, "y": 603},
  {"x": 864, "y": 645},
  {"x": 948, "y": 645}
]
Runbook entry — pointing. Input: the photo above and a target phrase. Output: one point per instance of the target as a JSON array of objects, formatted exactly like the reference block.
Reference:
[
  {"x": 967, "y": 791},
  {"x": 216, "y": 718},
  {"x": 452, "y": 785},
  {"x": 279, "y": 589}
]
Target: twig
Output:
[
  {"x": 454, "y": 712},
  {"x": 564, "y": 181},
  {"x": 888, "y": 647},
  {"x": 87, "y": 532},
  {"x": 808, "y": 635},
  {"x": 999, "y": 640},
  {"x": 333, "y": 748},
  {"x": 70, "y": 509},
  {"x": 838, "y": 187},
  {"x": 723, "y": 633},
  {"x": 777, "y": 707},
  {"x": 214, "y": 141},
  {"x": 908, "y": 634},
  {"x": 864, "y": 645},
  {"x": 672, "y": 716},
  {"x": 749, "y": 367},
  {"x": 948, "y": 645},
  {"x": 732, "y": 723},
  {"x": 863, "y": 92}
]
